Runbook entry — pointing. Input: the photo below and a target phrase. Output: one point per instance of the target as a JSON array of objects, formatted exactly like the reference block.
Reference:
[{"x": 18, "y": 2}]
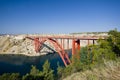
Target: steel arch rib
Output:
[
  {"x": 61, "y": 52},
  {"x": 57, "y": 46}
]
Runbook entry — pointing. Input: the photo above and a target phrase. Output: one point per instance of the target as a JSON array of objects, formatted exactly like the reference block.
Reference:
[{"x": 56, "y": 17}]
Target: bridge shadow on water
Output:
[{"x": 10, "y": 63}]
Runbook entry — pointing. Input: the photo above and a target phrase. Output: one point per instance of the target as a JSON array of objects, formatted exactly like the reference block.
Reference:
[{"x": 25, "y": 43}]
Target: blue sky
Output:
[{"x": 58, "y": 16}]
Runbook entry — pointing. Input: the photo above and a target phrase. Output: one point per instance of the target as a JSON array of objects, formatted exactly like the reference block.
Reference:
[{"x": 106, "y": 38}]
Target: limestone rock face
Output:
[{"x": 19, "y": 45}]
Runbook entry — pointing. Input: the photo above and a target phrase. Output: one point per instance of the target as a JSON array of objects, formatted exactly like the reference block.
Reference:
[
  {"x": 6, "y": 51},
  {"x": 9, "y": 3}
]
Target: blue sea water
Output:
[{"x": 22, "y": 64}]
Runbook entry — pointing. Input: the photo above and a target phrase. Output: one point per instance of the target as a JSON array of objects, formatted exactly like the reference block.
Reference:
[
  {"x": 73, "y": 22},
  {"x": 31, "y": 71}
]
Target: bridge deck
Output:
[{"x": 71, "y": 37}]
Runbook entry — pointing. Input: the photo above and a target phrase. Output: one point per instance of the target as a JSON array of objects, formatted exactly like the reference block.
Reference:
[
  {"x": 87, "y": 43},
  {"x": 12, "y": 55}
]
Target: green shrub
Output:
[
  {"x": 47, "y": 71},
  {"x": 10, "y": 76}
]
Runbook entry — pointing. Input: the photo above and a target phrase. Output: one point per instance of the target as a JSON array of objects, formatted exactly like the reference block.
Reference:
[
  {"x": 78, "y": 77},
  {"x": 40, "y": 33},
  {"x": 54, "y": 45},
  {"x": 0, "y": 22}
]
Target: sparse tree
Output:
[
  {"x": 10, "y": 76},
  {"x": 47, "y": 71}
]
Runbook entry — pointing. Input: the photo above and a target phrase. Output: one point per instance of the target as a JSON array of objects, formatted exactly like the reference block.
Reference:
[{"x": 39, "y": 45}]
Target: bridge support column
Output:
[
  {"x": 88, "y": 42},
  {"x": 88, "y": 49},
  {"x": 68, "y": 44},
  {"x": 75, "y": 46},
  {"x": 63, "y": 44},
  {"x": 75, "y": 50},
  {"x": 78, "y": 49},
  {"x": 78, "y": 45},
  {"x": 37, "y": 44},
  {"x": 61, "y": 41},
  {"x": 93, "y": 42}
]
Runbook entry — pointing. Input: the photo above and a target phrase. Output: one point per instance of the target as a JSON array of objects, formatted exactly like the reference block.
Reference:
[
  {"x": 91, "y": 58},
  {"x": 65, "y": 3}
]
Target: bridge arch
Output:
[
  {"x": 39, "y": 42},
  {"x": 61, "y": 51}
]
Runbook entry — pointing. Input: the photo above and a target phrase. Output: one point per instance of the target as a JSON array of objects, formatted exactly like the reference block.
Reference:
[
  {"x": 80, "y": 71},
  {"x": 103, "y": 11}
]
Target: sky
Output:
[{"x": 58, "y": 16}]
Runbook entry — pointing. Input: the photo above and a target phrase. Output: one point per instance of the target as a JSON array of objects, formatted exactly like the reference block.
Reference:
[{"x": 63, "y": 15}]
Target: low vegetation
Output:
[
  {"x": 109, "y": 70},
  {"x": 94, "y": 62},
  {"x": 94, "y": 56},
  {"x": 35, "y": 74}
]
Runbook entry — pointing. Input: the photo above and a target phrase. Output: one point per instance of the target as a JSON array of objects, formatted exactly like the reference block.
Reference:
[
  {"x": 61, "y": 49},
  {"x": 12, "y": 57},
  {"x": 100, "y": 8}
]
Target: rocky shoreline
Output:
[{"x": 24, "y": 54}]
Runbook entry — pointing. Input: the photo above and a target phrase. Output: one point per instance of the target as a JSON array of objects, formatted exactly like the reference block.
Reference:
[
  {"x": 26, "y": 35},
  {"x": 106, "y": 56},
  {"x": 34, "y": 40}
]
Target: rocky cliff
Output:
[{"x": 10, "y": 44}]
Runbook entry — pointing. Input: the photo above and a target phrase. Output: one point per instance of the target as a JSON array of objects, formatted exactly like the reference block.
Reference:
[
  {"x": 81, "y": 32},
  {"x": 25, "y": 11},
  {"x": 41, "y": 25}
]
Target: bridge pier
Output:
[
  {"x": 37, "y": 44},
  {"x": 93, "y": 42},
  {"x": 63, "y": 45},
  {"x": 68, "y": 44},
  {"x": 75, "y": 46}
]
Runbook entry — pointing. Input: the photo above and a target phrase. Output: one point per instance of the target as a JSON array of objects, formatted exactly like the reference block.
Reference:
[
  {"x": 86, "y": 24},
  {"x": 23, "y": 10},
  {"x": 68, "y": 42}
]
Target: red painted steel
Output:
[
  {"x": 39, "y": 40},
  {"x": 37, "y": 44},
  {"x": 57, "y": 46},
  {"x": 75, "y": 46},
  {"x": 61, "y": 52},
  {"x": 78, "y": 44},
  {"x": 78, "y": 48}
]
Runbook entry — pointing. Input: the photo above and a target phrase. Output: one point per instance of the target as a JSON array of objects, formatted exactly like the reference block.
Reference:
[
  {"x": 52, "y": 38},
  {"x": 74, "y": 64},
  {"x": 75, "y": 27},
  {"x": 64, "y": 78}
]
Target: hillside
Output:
[{"x": 110, "y": 70}]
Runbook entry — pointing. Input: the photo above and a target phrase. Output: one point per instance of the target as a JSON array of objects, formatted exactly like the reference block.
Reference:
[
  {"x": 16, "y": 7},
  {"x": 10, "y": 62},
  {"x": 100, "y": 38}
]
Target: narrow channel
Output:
[{"x": 10, "y": 63}]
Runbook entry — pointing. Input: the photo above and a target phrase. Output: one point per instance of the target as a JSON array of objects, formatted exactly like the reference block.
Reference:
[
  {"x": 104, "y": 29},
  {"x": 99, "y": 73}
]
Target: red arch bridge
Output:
[{"x": 59, "y": 46}]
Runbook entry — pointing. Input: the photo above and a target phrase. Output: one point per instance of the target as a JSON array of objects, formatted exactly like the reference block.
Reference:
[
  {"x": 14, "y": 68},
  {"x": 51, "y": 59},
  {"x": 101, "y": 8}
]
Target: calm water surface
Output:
[{"x": 22, "y": 64}]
